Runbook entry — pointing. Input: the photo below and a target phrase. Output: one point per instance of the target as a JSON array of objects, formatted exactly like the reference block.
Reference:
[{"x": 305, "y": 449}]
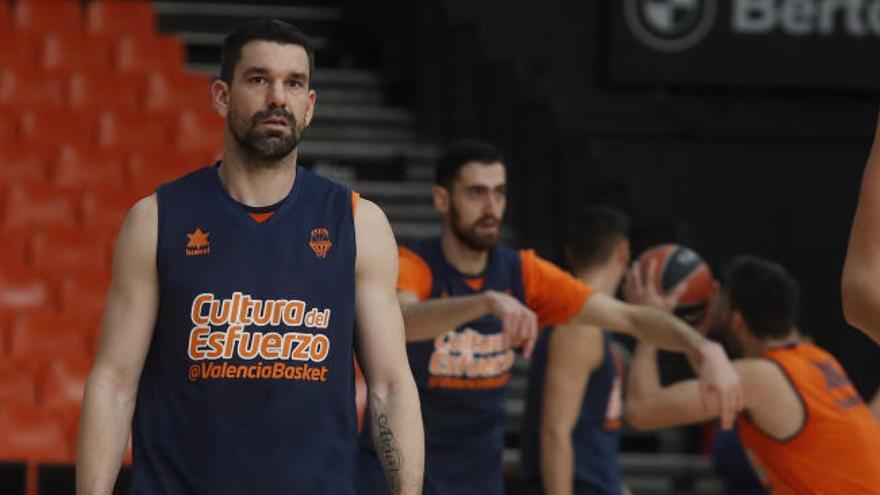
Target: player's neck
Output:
[
  {"x": 463, "y": 258},
  {"x": 255, "y": 184},
  {"x": 604, "y": 279},
  {"x": 764, "y": 345}
]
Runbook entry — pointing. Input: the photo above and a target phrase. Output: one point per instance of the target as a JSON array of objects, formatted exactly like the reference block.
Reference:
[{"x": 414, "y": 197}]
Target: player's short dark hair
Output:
[
  {"x": 764, "y": 293},
  {"x": 593, "y": 234},
  {"x": 261, "y": 30},
  {"x": 460, "y": 152}
]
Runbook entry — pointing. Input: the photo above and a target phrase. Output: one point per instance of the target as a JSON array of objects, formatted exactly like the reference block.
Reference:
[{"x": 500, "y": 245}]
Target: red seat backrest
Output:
[
  {"x": 36, "y": 16},
  {"x": 120, "y": 17}
]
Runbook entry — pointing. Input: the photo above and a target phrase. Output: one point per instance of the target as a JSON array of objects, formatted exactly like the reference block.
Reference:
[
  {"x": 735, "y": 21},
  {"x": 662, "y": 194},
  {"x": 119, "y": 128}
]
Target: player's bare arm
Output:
[
  {"x": 396, "y": 419},
  {"x": 574, "y": 353},
  {"x": 425, "y": 320},
  {"x": 768, "y": 397},
  {"x": 861, "y": 270},
  {"x": 656, "y": 326},
  {"x": 129, "y": 316}
]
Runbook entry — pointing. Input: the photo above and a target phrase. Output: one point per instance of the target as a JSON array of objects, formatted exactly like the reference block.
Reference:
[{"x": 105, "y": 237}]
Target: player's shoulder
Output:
[
  {"x": 143, "y": 213},
  {"x": 763, "y": 380},
  {"x": 757, "y": 368},
  {"x": 372, "y": 226},
  {"x": 369, "y": 213}
]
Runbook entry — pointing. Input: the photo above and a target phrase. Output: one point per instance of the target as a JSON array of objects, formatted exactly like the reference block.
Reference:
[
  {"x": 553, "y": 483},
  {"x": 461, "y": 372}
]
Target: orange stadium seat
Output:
[
  {"x": 87, "y": 168},
  {"x": 26, "y": 87},
  {"x": 29, "y": 205},
  {"x": 20, "y": 165},
  {"x": 149, "y": 53},
  {"x": 4, "y": 16},
  {"x": 8, "y": 126},
  {"x": 22, "y": 292},
  {"x": 76, "y": 51},
  {"x": 69, "y": 250},
  {"x": 63, "y": 384},
  {"x": 19, "y": 50},
  {"x": 148, "y": 170},
  {"x": 42, "y": 16},
  {"x": 88, "y": 91},
  {"x": 15, "y": 249},
  {"x": 43, "y": 336},
  {"x": 176, "y": 90},
  {"x": 120, "y": 17},
  {"x": 82, "y": 296},
  {"x": 199, "y": 131},
  {"x": 105, "y": 209},
  {"x": 50, "y": 127},
  {"x": 18, "y": 382},
  {"x": 132, "y": 130},
  {"x": 34, "y": 435}
]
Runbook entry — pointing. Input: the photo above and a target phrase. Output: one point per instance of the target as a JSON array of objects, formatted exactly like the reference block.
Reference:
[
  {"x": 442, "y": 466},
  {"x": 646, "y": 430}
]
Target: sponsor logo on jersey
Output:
[
  {"x": 198, "y": 243},
  {"x": 470, "y": 360},
  {"x": 228, "y": 331}
]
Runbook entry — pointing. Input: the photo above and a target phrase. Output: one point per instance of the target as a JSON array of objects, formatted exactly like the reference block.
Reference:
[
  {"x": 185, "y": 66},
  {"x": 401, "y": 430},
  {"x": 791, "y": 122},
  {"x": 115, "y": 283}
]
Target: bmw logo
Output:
[{"x": 670, "y": 25}]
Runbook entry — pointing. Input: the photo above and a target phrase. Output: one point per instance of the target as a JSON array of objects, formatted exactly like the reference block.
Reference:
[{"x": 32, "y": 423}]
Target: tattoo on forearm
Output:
[{"x": 389, "y": 453}]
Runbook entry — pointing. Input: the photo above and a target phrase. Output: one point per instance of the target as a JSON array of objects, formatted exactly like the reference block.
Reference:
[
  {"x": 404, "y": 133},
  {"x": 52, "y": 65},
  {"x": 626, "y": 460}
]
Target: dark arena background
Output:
[{"x": 731, "y": 126}]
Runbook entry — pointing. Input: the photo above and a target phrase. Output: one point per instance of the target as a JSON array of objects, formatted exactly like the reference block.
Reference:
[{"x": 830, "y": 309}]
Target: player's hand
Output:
[
  {"x": 720, "y": 384},
  {"x": 640, "y": 290},
  {"x": 519, "y": 324}
]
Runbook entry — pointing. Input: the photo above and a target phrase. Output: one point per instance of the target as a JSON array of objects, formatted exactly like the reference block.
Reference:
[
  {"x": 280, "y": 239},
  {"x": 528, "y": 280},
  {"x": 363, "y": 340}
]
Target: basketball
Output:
[{"x": 675, "y": 264}]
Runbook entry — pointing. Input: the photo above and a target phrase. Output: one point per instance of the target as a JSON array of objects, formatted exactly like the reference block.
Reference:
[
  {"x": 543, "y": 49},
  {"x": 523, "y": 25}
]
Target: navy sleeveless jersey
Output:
[
  {"x": 596, "y": 437},
  {"x": 248, "y": 385},
  {"x": 462, "y": 379}
]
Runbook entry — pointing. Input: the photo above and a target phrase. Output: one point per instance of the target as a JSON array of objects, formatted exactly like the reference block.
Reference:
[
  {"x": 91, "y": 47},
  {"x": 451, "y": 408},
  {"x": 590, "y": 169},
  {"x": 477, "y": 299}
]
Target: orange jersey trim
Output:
[
  {"x": 414, "y": 275},
  {"x": 475, "y": 283},
  {"x": 261, "y": 217},
  {"x": 355, "y": 197},
  {"x": 551, "y": 292}
]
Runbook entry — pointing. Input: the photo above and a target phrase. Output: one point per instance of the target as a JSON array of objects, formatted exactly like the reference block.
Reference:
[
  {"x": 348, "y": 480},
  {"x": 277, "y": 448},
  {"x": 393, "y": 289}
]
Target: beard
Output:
[
  {"x": 468, "y": 235},
  {"x": 266, "y": 148}
]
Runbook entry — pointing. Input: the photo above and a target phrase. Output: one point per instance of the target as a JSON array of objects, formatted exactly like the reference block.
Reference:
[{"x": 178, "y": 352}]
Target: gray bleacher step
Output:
[
  {"x": 409, "y": 231},
  {"x": 410, "y": 212},
  {"x": 365, "y": 151},
  {"x": 395, "y": 191},
  {"x": 343, "y": 132},
  {"x": 353, "y": 95},
  {"x": 371, "y": 114},
  {"x": 659, "y": 464},
  {"x": 205, "y": 9},
  {"x": 326, "y": 76}
]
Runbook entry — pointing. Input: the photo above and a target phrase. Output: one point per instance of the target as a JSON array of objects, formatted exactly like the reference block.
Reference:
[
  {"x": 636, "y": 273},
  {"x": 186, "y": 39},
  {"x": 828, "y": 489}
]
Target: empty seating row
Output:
[
  {"x": 120, "y": 130},
  {"x": 25, "y": 87},
  {"x": 74, "y": 168},
  {"x": 97, "y": 17},
  {"x": 57, "y": 51},
  {"x": 80, "y": 296}
]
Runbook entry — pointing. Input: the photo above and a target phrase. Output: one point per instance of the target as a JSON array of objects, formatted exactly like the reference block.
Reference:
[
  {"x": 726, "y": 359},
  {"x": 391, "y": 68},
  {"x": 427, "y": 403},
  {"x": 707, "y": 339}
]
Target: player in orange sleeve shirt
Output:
[
  {"x": 804, "y": 426},
  {"x": 468, "y": 301}
]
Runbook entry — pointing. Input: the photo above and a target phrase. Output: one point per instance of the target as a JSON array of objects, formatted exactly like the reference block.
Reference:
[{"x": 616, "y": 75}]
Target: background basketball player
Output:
[
  {"x": 570, "y": 437},
  {"x": 468, "y": 300},
  {"x": 804, "y": 426}
]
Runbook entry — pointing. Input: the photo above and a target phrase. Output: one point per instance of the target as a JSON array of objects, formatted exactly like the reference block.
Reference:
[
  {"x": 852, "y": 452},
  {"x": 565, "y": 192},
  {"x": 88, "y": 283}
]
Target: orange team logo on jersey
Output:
[
  {"x": 320, "y": 242},
  {"x": 198, "y": 243}
]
